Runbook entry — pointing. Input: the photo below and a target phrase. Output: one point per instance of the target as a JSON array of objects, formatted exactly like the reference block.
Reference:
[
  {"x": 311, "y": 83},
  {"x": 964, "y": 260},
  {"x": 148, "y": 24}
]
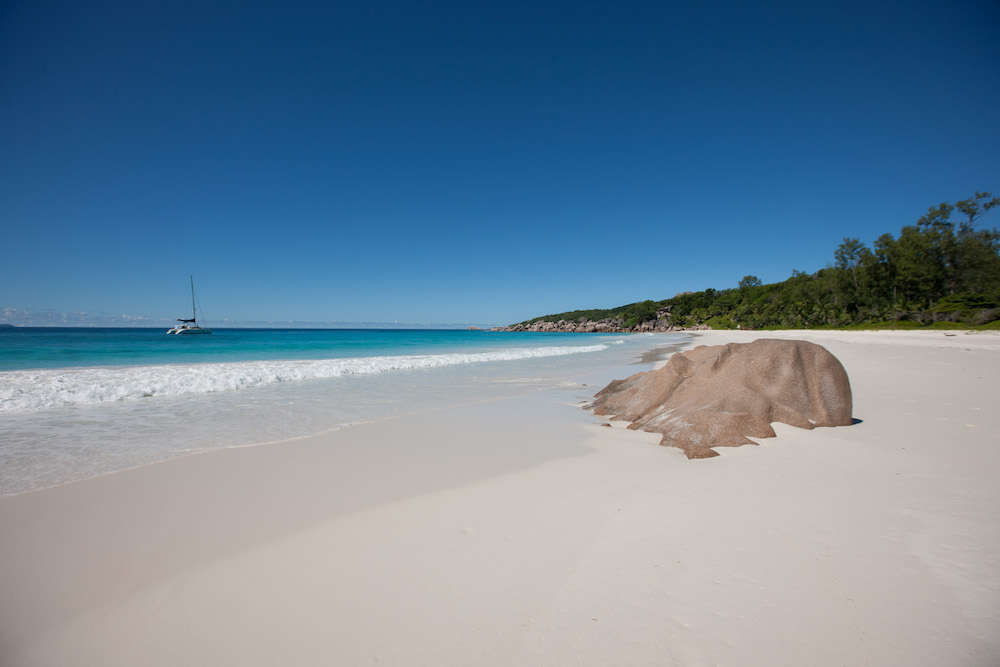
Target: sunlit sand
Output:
[{"x": 519, "y": 532}]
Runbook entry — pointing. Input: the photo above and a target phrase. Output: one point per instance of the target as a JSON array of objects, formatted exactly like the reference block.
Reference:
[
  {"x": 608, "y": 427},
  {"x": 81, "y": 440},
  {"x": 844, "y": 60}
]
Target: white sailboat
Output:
[{"x": 190, "y": 326}]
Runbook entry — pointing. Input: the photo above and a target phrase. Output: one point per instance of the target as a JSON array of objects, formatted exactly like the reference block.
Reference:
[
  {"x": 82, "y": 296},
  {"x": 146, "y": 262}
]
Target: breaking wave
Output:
[{"x": 32, "y": 390}]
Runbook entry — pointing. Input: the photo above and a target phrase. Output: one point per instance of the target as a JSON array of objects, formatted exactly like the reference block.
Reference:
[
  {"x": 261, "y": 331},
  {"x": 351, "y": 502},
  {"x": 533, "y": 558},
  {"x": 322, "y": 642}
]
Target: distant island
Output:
[{"x": 940, "y": 272}]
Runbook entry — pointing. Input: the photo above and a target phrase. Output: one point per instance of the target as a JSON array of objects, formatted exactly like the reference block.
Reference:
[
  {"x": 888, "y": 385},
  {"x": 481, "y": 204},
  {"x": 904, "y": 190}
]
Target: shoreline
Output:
[
  {"x": 517, "y": 531},
  {"x": 65, "y": 424}
]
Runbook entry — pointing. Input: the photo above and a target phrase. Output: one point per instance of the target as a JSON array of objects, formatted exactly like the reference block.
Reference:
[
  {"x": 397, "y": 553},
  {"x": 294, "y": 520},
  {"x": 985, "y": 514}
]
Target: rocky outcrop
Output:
[
  {"x": 608, "y": 325},
  {"x": 717, "y": 396}
]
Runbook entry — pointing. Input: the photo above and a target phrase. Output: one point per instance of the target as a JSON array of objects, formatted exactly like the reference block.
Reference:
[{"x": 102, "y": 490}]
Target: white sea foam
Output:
[{"x": 33, "y": 390}]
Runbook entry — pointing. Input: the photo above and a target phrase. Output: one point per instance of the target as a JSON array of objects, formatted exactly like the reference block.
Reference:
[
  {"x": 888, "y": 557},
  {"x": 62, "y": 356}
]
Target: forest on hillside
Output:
[{"x": 944, "y": 268}]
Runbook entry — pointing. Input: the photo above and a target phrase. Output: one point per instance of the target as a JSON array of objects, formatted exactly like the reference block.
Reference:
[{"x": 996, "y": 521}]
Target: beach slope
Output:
[{"x": 520, "y": 532}]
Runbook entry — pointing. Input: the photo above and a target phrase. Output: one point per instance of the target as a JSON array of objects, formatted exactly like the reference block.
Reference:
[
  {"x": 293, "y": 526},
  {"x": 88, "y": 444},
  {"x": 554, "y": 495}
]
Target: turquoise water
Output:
[
  {"x": 55, "y": 347},
  {"x": 75, "y": 403}
]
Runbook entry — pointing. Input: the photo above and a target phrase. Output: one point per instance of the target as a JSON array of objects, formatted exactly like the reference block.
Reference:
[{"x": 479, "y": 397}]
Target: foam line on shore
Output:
[{"x": 27, "y": 391}]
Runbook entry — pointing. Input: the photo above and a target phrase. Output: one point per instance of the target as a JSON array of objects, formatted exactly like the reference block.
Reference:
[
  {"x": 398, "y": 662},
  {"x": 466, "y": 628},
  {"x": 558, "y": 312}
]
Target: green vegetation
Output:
[{"x": 940, "y": 272}]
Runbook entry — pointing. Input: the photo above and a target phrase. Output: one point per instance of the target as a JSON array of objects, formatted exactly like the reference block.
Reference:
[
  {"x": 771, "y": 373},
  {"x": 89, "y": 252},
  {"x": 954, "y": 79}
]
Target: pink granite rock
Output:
[{"x": 717, "y": 396}]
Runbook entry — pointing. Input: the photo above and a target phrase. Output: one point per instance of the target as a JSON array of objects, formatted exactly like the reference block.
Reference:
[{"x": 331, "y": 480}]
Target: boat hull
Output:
[{"x": 177, "y": 331}]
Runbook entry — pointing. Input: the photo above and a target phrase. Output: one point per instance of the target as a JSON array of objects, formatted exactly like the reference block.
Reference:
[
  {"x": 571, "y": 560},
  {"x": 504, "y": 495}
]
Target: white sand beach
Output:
[{"x": 520, "y": 532}]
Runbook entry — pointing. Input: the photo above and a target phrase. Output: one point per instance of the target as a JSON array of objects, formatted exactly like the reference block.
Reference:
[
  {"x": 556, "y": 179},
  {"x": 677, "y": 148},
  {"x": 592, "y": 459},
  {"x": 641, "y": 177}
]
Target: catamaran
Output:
[{"x": 189, "y": 326}]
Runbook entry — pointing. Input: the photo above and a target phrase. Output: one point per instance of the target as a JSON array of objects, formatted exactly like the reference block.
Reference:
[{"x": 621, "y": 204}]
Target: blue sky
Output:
[{"x": 466, "y": 161}]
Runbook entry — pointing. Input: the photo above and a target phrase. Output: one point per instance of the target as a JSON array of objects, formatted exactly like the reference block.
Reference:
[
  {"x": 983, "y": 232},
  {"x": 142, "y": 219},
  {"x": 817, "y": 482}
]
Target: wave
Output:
[{"x": 29, "y": 391}]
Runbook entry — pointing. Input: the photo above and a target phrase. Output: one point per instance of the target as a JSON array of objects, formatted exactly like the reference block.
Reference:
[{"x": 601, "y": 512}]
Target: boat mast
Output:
[{"x": 194, "y": 312}]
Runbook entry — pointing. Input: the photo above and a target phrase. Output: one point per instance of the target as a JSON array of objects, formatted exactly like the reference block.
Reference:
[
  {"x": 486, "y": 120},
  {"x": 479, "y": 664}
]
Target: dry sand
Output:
[{"x": 519, "y": 532}]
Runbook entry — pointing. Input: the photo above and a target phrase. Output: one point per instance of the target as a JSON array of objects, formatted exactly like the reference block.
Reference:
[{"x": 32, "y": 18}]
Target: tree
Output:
[
  {"x": 848, "y": 256},
  {"x": 937, "y": 218},
  {"x": 977, "y": 206},
  {"x": 977, "y": 259},
  {"x": 881, "y": 265},
  {"x": 750, "y": 281},
  {"x": 920, "y": 264}
]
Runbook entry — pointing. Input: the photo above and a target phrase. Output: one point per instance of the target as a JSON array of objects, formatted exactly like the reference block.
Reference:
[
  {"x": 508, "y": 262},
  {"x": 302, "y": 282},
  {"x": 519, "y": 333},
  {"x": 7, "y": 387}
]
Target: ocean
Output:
[{"x": 77, "y": 403}]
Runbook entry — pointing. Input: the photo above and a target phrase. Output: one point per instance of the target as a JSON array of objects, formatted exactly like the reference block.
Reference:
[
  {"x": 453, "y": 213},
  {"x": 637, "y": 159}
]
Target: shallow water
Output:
[{"x": 146, "y": 400}]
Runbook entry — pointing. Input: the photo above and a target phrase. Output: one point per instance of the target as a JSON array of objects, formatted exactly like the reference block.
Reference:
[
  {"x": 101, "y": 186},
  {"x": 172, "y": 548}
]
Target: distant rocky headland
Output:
[{"x": 617, "y": 324}]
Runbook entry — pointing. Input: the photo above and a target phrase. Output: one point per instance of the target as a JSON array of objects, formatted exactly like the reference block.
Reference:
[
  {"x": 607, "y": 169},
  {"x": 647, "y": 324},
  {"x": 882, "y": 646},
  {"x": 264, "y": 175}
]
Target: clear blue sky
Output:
[{"x": 470, "y": 161}]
